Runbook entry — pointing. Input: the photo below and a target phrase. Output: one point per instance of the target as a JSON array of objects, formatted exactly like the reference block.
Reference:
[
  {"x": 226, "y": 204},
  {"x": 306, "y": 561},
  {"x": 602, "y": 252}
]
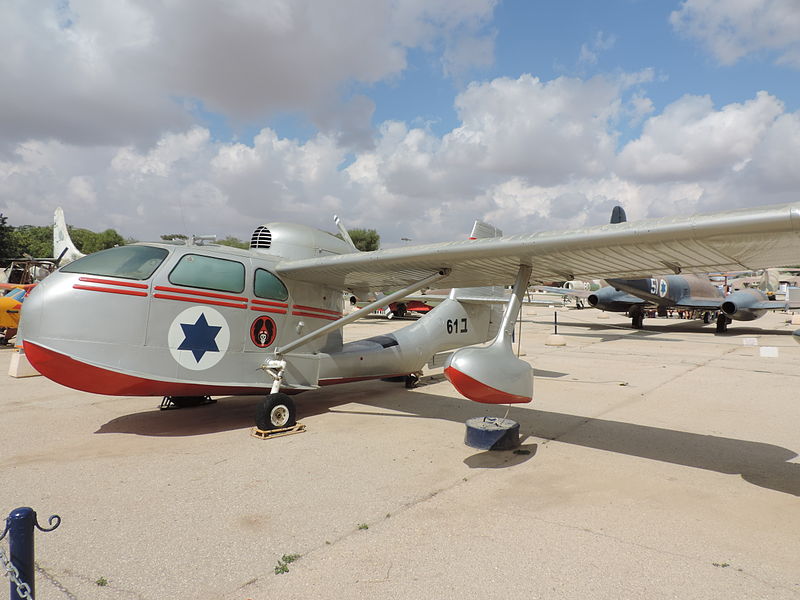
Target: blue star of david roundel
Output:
[{"x": 198, "y": 338}]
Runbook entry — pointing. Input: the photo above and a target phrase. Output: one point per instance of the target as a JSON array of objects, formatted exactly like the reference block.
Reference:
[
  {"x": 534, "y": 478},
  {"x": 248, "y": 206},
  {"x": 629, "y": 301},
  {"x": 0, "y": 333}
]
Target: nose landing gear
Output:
[{"x": 276, "y": 411}]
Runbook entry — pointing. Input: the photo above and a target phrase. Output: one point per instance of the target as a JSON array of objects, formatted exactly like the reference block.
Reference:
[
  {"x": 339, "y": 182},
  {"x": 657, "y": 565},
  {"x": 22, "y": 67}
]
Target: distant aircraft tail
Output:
[
  {"x": 481, "y": 230},
  {"x": 770, "y": 282},
  {"x": 618, "y": 215},
  {"x": 63, "y": 248}
]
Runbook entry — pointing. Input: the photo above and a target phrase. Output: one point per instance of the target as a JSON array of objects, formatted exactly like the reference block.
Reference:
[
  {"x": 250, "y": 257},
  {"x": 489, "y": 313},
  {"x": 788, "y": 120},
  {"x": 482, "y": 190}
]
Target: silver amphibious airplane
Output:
[{"x": 197, "y": 319}]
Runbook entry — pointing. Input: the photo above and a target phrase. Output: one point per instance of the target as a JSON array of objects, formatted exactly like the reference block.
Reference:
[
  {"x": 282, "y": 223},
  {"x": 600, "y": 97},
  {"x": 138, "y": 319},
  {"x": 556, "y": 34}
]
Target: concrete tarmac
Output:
[{"x": 655, "y": 464}]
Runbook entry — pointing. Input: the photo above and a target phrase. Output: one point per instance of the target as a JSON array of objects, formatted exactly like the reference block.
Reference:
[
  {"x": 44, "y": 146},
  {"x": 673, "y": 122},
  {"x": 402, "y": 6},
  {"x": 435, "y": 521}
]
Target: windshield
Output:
[{"x": 127, "y": 262}]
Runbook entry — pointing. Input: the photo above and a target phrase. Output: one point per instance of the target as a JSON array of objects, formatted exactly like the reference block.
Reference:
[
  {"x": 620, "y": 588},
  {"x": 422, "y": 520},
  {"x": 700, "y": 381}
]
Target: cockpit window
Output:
[
  {"x": 126, "y": 262},
  {"x": 195, "y": 270},
  {"x": 266, "y": 285}
]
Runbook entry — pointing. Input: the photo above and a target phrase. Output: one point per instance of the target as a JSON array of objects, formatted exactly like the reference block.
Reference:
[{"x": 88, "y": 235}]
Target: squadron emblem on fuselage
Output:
[{"x": 262, "y": 331}]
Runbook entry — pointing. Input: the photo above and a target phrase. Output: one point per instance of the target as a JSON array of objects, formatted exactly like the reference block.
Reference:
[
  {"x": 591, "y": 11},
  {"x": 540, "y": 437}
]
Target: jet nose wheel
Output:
[{"x": 276, "y": 411}]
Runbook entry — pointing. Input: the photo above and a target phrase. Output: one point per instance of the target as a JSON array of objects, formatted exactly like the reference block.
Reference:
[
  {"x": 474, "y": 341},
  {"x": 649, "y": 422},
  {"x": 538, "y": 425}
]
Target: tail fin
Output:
[
  {"x": 63, "y": 248},
  {"x": 344, "y": 233},
  {"x": 481, "y": 230},
  {"x": 484, "y": 230},
  {"x": 618, "y": 215},
  {"x": 769, "y": 281}
]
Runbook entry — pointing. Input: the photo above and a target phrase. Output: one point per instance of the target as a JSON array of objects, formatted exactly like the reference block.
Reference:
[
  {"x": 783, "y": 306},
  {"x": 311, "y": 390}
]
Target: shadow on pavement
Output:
[{"x": 761, "y": 464}]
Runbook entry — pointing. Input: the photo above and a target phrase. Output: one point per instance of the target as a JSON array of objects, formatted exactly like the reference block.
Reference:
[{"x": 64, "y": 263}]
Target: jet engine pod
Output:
[
  {"x": 492, "y": 375},
  {"x": 739, "y": 305}
]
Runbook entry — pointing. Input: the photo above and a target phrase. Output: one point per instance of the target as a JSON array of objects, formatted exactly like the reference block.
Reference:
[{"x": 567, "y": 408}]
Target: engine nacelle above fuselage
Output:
[{"x": 294, "y": 241}]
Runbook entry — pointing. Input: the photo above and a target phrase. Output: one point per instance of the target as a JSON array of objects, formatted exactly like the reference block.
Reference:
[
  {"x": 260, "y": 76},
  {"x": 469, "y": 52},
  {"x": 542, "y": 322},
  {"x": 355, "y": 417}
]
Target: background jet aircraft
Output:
[
  {"x": 63, "y": 248},
  {"x": 22, "y": 275},
  {"x": 688, "y": 292},
  {"x": 696, "y": 293}
]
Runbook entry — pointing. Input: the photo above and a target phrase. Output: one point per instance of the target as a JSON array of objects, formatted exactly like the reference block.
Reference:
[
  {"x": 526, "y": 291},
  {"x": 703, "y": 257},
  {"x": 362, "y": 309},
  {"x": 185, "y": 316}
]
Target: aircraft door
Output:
[
  {"x": 198, "y": 310},
  {"x": 269, "y": 307}
]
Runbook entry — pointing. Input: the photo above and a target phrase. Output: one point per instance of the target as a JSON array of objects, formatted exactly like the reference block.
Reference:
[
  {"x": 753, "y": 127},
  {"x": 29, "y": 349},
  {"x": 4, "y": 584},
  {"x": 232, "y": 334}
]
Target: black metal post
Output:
[
  {"x": 19, "y": 527},
  {"x": 20, "y": 543},
  {"x": 555, "y": 322}
]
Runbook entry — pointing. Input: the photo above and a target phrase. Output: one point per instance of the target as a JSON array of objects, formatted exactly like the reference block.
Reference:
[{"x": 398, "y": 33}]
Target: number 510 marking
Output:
[{"x": 453, "y": 326}]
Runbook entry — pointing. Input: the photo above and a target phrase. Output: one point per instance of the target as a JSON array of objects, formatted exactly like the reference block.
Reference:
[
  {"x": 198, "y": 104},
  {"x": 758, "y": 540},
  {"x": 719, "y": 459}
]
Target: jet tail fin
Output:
[
  {"x": 481, "y": 230},
  {"x": 484, "y": 230},
  {"x": 769, "y": 281},
  {"x": 63, "y": 248}
]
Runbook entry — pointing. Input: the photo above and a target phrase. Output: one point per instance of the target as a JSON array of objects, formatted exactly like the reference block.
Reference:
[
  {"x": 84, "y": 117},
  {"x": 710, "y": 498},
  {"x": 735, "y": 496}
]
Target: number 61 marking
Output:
[{"x": 453, "y": 326}]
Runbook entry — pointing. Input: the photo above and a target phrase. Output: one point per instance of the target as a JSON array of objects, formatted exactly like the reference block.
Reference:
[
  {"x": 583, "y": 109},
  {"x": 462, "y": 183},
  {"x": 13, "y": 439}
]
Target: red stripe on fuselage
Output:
[
  {"x": 174, "y": 290},
  {"x": 320, "y": 310},
  {"x": 92, "y": 288},
  {"x": 141, "y": 286},
  {"x": 298, "y": 313},
  {"x": 98, "y": 380},
  {"x": 268, "y": 303},
  {"x": 198, "y": 300},
  {"x": 268, "y": 310}
]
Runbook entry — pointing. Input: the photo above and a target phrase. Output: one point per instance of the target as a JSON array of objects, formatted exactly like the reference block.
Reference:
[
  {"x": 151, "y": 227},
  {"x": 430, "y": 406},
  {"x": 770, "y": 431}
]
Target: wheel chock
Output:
[{"x": 268, "y": 434}]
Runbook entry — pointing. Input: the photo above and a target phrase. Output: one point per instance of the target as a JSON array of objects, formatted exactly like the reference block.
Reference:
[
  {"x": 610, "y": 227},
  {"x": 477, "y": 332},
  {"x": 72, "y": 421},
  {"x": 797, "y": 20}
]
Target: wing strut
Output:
[{"x": 276, "y": 365}]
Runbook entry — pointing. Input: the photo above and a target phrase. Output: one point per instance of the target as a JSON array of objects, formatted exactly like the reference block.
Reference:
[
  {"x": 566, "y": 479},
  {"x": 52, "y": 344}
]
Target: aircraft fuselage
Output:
[
  {"x": 168, "y": 320},
  {"x": 669, "y": 290}
]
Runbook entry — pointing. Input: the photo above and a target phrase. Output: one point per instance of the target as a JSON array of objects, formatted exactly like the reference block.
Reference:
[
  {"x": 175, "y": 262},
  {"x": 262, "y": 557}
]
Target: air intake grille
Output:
[{"x": 262, "y": 238}]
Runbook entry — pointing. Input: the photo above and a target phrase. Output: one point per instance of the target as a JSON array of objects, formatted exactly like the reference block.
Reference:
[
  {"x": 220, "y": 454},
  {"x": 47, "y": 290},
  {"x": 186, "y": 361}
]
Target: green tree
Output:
[
  {"x": 174, "y": 236},
  {"x": 35, "y": 240},
  {"x": 365, "y": 240},
  {"x": 235, "y": 242},
  {"x": 8, "y": 248},
  {"x": 88, "y": 241}
]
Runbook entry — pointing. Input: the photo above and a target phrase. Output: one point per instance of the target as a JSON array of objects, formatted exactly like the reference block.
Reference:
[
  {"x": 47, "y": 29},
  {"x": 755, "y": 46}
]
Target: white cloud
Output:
[
  {"x": 542, "y": 131},
  {"x": 775, "y": 161},
  {"x": 121, "y": 72},
  {"x": 161, "y": 159},
  {"x": 527, "y": 155},
  {"x": 692, "y": 141},
  {"x": 732, "y": 29}
]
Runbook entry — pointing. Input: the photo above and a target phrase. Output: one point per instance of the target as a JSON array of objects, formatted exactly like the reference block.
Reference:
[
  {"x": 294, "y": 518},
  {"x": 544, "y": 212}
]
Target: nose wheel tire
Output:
[{"x": 276, "y": 411}]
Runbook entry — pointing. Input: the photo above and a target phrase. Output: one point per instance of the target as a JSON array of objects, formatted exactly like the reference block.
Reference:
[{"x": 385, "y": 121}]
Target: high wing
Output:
[{"x": 733, "y": 240}]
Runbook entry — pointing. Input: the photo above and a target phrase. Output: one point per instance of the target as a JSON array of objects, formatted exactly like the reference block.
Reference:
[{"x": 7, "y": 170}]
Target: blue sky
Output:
[
  {"x": 411, "y": 117},
  {"x": 544, "y": 38}
]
